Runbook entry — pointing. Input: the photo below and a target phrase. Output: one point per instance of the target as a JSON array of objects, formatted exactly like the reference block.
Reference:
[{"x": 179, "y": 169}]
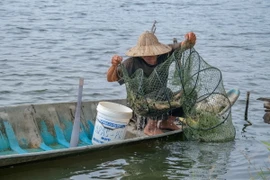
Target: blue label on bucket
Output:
[
  {"x": 111, "y": 125},
  {"x": 98, "y": 141}
]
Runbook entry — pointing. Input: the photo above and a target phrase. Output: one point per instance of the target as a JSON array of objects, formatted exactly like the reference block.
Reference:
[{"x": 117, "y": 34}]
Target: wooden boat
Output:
[
  {"x": 43, "y": 131},
  {"x": 37, "y": 132}
]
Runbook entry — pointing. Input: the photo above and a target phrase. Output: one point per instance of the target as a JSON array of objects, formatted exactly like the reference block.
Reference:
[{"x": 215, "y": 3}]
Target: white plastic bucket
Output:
[{"x": 111, "y": 122}]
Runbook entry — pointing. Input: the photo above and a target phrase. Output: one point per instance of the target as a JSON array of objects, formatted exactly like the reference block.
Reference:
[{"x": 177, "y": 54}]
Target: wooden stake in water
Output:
[
  {"x": 76, "y": 125},
  {"x": 247, "y": 103}
]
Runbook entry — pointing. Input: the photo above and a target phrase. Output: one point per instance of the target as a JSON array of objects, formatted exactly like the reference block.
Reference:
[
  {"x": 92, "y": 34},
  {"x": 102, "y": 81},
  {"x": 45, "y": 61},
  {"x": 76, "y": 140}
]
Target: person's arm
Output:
[{"x": 112, "y": 73}]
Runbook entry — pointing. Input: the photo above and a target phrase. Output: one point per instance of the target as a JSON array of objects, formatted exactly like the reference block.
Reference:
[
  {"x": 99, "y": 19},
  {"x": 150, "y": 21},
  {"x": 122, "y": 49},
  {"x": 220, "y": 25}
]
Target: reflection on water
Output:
[
  {"x": 157, "y": 160},
  {"x": 45, "y": 46},
  {"x": 171, "y": 160}
]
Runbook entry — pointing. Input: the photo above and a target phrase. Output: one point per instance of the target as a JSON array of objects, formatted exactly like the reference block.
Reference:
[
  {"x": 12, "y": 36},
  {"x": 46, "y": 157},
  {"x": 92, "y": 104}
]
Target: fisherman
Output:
[{"x": 146, "y": 55}]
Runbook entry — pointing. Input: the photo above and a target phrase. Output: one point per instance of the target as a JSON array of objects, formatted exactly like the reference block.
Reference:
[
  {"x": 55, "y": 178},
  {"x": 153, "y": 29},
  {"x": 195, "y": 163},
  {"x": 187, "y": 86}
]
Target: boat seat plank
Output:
[
  {"x": 13, "y": 142},
  {"x": 59, "y": 132}
]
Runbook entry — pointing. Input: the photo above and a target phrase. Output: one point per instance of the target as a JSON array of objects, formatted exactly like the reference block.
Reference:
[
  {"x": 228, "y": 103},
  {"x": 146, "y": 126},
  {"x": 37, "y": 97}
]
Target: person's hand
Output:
[
  {"x": 116, "y": 60},
  {"x": 190, "y": 40}
]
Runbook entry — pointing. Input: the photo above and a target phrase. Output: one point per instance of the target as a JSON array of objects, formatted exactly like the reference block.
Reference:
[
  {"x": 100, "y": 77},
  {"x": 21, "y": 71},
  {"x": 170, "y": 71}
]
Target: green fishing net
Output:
[{"x": 184, "y": 80}]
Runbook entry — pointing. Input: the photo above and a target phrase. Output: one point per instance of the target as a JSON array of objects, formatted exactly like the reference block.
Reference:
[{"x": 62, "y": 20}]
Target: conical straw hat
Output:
[{"x": 148, "y": 45}]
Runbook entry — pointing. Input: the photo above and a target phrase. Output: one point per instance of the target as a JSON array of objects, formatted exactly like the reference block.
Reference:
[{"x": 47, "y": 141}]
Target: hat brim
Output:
[{"x": 153, "y": 50}]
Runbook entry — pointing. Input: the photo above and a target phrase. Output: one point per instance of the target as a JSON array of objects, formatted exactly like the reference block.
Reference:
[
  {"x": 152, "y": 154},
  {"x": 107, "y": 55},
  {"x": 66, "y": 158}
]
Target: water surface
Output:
[{"x": 47, "y": 45}]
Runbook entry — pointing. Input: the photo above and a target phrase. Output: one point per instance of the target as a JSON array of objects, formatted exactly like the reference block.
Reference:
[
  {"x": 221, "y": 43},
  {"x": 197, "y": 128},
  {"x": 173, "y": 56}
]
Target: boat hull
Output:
[
  {"x": 43, "y": 131},
  {"x": 38, "y": 132}
]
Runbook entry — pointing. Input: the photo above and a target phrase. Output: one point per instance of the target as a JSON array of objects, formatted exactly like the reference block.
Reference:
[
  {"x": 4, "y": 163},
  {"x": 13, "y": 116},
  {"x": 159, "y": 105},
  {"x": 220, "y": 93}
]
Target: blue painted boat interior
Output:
[{"x": 37, "y": 128}]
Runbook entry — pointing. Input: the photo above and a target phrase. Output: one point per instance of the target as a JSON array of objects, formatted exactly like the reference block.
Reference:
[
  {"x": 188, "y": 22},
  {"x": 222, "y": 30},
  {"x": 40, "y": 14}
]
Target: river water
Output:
[{"x": 47, "y": 45}]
